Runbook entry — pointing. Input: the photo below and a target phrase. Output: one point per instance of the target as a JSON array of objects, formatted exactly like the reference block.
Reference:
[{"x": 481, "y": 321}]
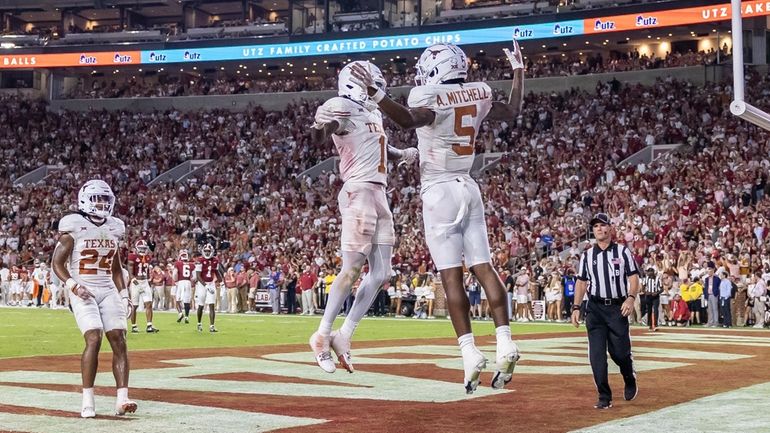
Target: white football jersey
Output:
[
  {"x": 95, "y": 248},
  {"x": 446, "y": 146},
  {"x": 360, "y": 140}
]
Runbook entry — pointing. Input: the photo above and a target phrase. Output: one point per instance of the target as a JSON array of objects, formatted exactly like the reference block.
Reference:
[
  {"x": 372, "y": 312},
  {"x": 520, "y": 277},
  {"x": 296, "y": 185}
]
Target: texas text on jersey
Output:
[
  {"x": 94, "y": 248},
  {"x": 360, "y": 141}
]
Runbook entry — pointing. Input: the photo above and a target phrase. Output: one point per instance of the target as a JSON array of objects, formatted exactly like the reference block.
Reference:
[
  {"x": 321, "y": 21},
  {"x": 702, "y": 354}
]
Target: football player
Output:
[
  {"x": 447, "y": 112},
  {"x": 87, "y": 260},
  {"x": 354, "y": 123},
  {"x": 139, "y": 277},
  {"x": 184, "y": 270},
  {"x": 208, "y": 276}
]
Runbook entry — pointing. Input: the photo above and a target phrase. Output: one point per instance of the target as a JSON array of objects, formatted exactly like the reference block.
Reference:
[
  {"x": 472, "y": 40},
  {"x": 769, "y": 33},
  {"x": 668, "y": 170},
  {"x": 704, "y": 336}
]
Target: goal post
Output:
[{"x": 739, "y": 107}]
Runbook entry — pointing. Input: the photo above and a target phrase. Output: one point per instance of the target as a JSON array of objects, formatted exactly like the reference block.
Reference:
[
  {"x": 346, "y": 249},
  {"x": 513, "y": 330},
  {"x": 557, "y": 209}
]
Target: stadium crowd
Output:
[
  {"x": 483, "y": 68},
  {"x": 699, "y": 208}
]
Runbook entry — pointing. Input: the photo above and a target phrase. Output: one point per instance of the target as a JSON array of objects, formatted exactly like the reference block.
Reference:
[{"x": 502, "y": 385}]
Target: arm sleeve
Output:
[
  {"x": 628, "y": 258},
  {"x": 582, "y": 274}
]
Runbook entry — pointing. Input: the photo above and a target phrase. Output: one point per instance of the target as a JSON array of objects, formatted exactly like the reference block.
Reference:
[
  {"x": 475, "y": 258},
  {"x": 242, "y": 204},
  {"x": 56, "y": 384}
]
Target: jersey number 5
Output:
[{"x": 465, "y": 131}]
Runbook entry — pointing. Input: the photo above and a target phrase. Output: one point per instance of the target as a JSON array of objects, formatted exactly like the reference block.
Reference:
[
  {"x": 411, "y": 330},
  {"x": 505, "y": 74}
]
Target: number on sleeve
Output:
[{"x": 465, "y": 131}]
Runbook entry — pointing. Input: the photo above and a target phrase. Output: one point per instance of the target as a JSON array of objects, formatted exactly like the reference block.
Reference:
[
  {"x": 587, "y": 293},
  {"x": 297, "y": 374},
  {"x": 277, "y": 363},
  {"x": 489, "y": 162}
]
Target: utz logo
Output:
[
  {"x": 522, "y": 33},
  {"x": 87, "y": 60},
  {"x": 157, "y": 57},
  {"x": 559, "y": 29},
  {"x": 643, "y": 21},
  {"x": 191, "y": 55},
  {"x": 121, "y": 58},
  {"x": 604, "y": 25}
]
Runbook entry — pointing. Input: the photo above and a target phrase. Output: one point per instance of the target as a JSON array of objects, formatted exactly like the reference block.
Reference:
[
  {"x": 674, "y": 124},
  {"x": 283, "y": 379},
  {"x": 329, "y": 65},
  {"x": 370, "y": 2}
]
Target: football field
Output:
[{"x": 257, "y": 374}]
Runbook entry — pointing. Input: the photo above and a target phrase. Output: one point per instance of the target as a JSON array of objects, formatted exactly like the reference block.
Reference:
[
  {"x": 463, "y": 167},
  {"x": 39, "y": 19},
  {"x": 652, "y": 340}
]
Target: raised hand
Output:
[{"x": 514, "y": 57}]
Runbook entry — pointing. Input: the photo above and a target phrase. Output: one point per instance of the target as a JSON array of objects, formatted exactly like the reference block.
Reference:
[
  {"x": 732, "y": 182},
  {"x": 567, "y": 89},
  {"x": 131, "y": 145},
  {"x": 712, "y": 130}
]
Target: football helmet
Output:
[
  {"x": 184, "y": 255},
  {"x": 208, "y": 251},
  {"x": 141, "y": 247},
  {"x": 95, "y": 198},
  {"x": 440, "y": 63},
  {"x": 347, "y": 87}
]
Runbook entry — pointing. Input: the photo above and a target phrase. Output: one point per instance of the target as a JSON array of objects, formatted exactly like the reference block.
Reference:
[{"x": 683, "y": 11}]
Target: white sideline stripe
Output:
[
  {"x": 151, "y": 416},
  {"x": 741, "y": 410}
]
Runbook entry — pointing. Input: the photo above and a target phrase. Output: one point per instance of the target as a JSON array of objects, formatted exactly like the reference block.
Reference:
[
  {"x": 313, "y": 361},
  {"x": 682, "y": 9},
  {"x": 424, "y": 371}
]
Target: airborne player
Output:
[
  {"x": 139, "y": 277},
  {"x": 447, "y": 113},
  {"x": 87, "y": 260},
  {"x": 208, "y": 275},
  {"x": 355, "y": 125}
]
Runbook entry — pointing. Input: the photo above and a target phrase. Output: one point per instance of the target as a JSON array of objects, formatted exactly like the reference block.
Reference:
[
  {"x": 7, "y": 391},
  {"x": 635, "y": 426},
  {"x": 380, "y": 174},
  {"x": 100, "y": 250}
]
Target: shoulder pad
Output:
[{"x": 72, "y": 222}]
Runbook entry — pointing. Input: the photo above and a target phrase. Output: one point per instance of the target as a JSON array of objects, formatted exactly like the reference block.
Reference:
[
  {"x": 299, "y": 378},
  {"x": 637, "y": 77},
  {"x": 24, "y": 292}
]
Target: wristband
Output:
[
  {"x": 631, "y": 296},
  {"x": 575, "y": 308},
  {"x": 378, "y": 96},
  {"x": 71, "y": 283}
]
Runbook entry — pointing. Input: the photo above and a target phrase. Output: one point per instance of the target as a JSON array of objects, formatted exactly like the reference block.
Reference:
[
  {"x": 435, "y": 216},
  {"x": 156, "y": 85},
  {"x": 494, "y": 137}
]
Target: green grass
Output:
[{"x": 31, "y": 332}]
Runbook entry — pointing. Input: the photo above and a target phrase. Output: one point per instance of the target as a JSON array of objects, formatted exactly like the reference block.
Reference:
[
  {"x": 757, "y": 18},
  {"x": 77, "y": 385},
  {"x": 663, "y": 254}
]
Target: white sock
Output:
[
  {"x": 122, "y": 394},
  {"x": 149, "y": 324},
  {"x": 340, "y": 290},
  {"x": 503, "y": 333},
  {"x": 88, "y": 397},
  {"x": 467, "y": 343},
  {"x": 348, "y": 327}
]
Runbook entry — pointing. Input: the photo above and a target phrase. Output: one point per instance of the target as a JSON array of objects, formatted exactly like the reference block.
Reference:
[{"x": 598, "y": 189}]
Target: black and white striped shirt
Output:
[
  {"x": 651, "y": 286},
  {"x": 607, "y": 271}
]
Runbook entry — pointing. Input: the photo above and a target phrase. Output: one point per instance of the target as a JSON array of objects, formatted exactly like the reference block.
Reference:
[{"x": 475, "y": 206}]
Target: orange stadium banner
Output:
[
  {"x": 674, "y": 17},
  {"x": 66, "y": 60}
]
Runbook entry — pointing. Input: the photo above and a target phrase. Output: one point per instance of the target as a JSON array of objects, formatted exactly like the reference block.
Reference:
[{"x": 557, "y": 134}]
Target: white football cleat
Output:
[
  {"x": 88, "y": 411},
  {"x": 507, "y": 356},
  {"x": 341, "y": 346},
  {"x": 127, "y": 406},
  {"x": 322, "y": 352},
  {"x": 473, "y": 363}
]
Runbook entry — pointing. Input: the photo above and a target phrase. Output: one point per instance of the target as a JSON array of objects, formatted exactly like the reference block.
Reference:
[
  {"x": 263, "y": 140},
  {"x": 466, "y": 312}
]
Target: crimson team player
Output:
[
  {"x": 139, "y": 277},
  {"x": 208, "y": 275},
  {"x": 184, "y": 269}
]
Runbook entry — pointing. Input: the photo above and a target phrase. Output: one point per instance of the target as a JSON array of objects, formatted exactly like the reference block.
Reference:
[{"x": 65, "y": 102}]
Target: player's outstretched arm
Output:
[
  {"x": 406, "y": 156},
  {"x": 407, "y": 118},
  {"x": 320, "y": 132},
  {"x": 502, "y": 111}
]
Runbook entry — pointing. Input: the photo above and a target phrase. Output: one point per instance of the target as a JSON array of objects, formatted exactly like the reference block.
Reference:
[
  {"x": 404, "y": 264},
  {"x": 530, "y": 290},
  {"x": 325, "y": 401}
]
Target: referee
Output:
[
  {"x": 651, "y": 288},
  {"x": 614, "y": 283}
]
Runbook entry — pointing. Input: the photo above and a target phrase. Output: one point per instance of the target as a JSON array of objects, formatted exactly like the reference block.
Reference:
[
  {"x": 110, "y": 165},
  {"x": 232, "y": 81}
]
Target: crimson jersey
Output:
[
  {"x": 140, "y": 265},
  {"x": 184, "y": 270},
  {"x": 207, "y": 269}
]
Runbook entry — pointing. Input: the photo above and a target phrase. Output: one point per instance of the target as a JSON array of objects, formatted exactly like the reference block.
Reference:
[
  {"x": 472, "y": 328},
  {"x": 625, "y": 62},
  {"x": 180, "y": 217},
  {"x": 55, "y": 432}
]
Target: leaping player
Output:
[
  {"x": 447, "y": 113},
  {"x": 354, "y": 123},
  {"x": 87, "y": 259}
]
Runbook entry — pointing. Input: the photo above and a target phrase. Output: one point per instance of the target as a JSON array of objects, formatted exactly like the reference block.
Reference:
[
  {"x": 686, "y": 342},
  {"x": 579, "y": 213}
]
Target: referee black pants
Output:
[
  {"x": 650, "y": 307},
  {"x": 608, "y": 331}
]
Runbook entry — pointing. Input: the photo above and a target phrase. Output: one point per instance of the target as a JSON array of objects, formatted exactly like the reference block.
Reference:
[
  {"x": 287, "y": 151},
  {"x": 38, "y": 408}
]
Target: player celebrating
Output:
[
  {"x": 139, "y": 274},
  {"x": 182, "y": 292},
  {"x": 208, "y": 275},
  {"x": 86, "y": 258},
  {"x": 355, "y": 125},
  {"x": 447, "y": 113}
]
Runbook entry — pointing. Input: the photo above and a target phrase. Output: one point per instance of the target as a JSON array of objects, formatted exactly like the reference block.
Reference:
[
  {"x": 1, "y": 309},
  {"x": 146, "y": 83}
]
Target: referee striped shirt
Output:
[
  {"x": 607, "y": 271},
  {"x": 651, "y": 286}
]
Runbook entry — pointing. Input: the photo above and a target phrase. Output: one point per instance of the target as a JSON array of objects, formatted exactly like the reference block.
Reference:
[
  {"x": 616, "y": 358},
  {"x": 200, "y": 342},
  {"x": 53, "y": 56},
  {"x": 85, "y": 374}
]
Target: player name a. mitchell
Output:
[
  {"x": 100, "y": 243},
  {"x": 462, "y": 96}
]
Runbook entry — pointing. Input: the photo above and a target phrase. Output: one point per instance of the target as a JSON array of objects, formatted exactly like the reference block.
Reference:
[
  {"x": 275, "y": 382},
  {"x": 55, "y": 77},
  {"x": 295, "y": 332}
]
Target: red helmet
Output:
[
  {"x": 208, "y": 251},
  {"x": 141, "y": 247},
  {"x": 184, "y": 255}
]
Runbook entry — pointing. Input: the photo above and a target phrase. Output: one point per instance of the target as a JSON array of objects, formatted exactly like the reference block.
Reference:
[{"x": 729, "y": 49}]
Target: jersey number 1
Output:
[{"x": 464, "y": 131}]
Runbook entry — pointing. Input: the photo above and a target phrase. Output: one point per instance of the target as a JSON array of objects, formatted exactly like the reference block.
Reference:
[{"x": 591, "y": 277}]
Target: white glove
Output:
[
  {"x": 514, "y": 57},
  {"x": 126, "y": 301},
  {"x": 409, "y": 156},
  {"x": 323, "y": 116}
]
